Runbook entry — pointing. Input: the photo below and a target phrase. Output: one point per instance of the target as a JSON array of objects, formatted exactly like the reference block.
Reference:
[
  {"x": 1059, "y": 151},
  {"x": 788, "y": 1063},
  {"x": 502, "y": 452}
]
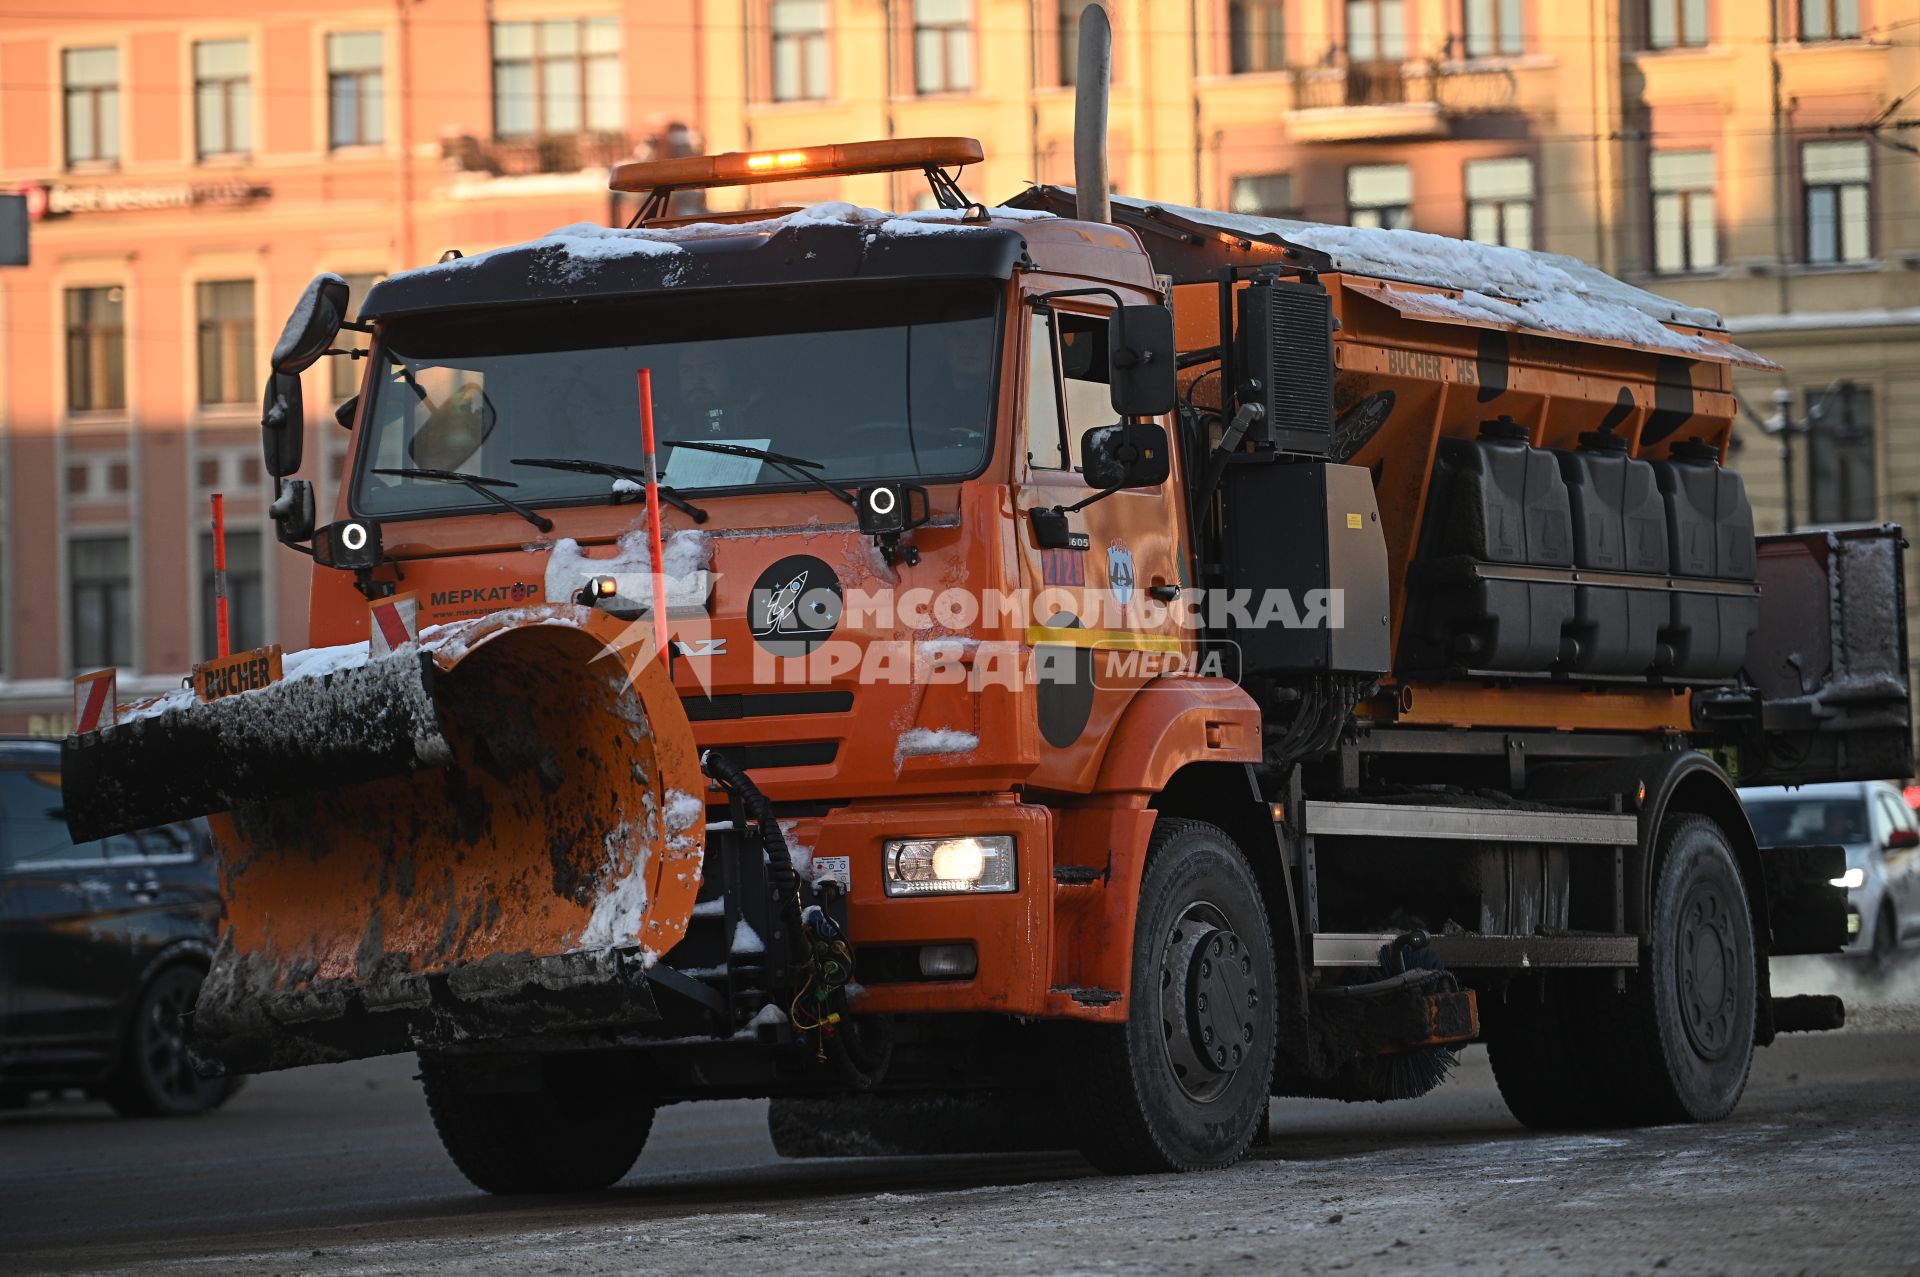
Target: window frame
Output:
[
  {"x": 1833, "y": 458},
  {"x": 236, "y": 101},
  {"x": 1684, "y": 35},
  {"x": 118, "y": 606},
  {"x": 1808, "y": 189},
  {"x": 805, "y": 42},
  {"x": 1833, "y": 15},
  {"x": 1384, "y": 223},
  {"x": 1688, "y": 199},
  {"x": 105, "y": 111},
  {"x": 114, "y": 346},
  {"x": 228, "y": 333},
  {"x": 1290, "y": 209},
  {"x": 1504, "y": 24},
  {"x": 1268, "y": 32},
  {"x": 1502, "y": 205},
  {"x": 947, "y": 34},
  {"x": 584, "y": 60},
  {"x": 372, "y": 124},
  {"x": 1381, "y": 54}
]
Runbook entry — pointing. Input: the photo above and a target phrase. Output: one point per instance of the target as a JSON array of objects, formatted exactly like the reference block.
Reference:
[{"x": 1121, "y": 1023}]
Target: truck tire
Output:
[
  {"x": 1686, "y": 1037},
  {"x": 1182, "y": 1085},
  {"x": 574, "y": 1133},
  {"x": 154, "y": 1076}
]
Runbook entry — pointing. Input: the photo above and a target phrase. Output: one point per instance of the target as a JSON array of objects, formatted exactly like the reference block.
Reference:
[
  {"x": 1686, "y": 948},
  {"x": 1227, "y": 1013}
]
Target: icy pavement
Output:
[{"x": 336, "y": 1171}]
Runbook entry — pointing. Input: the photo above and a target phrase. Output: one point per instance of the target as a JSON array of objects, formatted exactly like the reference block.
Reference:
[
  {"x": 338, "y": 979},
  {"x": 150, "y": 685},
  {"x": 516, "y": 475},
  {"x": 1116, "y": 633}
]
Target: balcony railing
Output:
[
  {"x": 553, "y": 153},
  {"x": 1455, "y": 88}
]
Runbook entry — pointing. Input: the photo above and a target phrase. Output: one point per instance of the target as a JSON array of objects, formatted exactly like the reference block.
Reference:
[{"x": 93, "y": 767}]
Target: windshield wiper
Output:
[
  {"x": 480, "y": 483},
  {"x": 794, "y": 467},
  {"x": 613, "y": 471}
]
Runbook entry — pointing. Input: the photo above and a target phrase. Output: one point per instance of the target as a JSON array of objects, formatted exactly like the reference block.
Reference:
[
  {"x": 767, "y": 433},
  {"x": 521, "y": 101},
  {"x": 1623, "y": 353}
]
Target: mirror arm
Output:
[
  {"x": 357, "y": 325},
  {"x": 1039, "y": 301}
]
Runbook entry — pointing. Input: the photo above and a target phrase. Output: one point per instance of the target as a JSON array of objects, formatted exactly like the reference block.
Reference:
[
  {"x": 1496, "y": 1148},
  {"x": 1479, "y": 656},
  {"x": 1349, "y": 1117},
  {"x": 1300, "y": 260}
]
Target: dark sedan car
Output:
[{"x": 103, "y": 946}]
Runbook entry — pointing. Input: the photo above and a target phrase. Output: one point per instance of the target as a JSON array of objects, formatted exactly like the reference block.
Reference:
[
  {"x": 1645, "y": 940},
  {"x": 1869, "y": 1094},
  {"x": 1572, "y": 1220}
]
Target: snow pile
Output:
[
  {"x": 684, "y": 812},
  {"x": 746, "y": 940},
  {"x": 687, "y": 556},
  {"x": 621, "y": 904},
  {"x": 1546, "y": 292},
  {"x": 576, "y": 251},
  {"x": 801, "y": 853},
  {"x": 920, "y": 742}
]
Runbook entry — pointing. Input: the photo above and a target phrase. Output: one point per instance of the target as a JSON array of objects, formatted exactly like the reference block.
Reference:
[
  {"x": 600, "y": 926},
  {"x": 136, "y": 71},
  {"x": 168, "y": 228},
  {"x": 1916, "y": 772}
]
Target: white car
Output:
[{"x": 1882, "y": 837}]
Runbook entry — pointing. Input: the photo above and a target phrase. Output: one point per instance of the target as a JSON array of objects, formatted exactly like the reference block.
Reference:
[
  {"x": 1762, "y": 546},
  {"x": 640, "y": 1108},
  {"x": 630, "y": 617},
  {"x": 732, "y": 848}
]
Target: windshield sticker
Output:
[{"x": 688, "y": 468}]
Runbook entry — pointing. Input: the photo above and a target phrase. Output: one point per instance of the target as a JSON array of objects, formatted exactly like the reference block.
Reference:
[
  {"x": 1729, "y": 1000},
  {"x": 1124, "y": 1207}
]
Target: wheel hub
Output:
[
  {"x": 1707, "y": 966},
  {"x": 1208, "y": 1001}
]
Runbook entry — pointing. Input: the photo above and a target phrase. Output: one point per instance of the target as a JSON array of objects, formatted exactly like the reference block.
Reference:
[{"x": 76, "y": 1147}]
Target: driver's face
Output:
[{"x": 702, "y": 375}]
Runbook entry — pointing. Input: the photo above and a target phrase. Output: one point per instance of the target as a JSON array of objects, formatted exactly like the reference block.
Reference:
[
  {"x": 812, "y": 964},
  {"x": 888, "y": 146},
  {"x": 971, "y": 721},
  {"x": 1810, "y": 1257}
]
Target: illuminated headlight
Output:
[
  {"x": 1855, "y": 877},
  {"x": 944, "y": 866}
]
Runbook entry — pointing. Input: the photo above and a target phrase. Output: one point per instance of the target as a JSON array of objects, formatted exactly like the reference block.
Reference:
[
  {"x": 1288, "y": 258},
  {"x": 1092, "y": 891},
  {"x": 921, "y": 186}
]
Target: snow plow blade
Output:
[
  {"x": 357, "y": 725},
  {"x": 481, "y": 838}
]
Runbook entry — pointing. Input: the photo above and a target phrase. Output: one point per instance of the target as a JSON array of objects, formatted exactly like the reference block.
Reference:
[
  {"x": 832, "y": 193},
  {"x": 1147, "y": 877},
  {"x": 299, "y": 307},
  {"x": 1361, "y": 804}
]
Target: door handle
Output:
[{"x": 1165, "y": 593}]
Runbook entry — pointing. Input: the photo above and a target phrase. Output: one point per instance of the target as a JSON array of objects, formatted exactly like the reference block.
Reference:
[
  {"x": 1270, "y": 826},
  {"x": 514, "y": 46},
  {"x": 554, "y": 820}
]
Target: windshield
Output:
[
  {"x": 870, "y": 382},
  {"x": 1791, "y": 822}
]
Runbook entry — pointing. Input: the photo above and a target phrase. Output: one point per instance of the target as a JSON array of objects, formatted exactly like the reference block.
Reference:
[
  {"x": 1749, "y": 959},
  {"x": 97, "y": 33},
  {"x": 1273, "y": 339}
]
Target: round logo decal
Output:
[{"x": 795, "y": 605}]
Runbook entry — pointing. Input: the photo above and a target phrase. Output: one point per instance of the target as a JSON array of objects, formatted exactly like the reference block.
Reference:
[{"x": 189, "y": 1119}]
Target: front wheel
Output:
[
  {"x": 558, "y": 1124},
  {"x": 1182, "y": 1085}
]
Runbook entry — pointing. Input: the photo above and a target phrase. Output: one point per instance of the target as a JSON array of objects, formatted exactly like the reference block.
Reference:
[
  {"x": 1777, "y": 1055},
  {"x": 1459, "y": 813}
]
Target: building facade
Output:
[{"x": 1745, "y": 155}]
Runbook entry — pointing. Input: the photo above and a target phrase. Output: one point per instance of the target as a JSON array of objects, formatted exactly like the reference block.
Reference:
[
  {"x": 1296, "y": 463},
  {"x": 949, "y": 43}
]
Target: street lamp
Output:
[{"x": 1782, "y": 426}]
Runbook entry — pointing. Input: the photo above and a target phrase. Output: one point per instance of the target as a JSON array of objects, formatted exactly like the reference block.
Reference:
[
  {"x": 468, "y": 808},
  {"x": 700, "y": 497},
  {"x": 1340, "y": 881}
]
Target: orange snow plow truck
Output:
[{"x": 1123, "y": 662}]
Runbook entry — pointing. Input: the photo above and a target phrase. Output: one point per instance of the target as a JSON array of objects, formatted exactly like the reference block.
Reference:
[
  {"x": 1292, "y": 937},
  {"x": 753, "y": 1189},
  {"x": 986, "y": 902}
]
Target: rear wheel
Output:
[
  {"x": 155, "y": 1076},
  {"x": 1678, "y": 1044},
  {"x": 571, "y": 1125},
  {"x": 1182, "y": 1085}
]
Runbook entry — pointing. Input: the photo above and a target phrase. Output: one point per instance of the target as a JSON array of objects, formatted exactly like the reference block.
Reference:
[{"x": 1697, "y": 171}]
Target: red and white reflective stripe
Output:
[
  {"x": 395, "y": 623},
  {"x": 96, "y": 701}
]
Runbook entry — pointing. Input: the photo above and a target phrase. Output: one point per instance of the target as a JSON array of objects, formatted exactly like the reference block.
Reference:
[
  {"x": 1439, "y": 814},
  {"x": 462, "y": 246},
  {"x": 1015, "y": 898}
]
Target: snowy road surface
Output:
[{"x": 336, "y": 1170}]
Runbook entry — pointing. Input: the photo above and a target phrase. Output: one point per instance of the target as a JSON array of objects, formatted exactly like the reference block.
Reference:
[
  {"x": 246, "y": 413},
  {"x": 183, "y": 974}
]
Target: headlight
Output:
[
  {"x": 945, "y": 866},
  {"x": 1855, "y": 877}
]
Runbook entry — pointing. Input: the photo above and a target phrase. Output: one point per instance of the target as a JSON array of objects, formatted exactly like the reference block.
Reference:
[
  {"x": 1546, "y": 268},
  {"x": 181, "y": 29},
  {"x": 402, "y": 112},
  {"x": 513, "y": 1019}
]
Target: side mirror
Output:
[
  {"x": 1140, "y": 361},
  {"x": 283, "y": 424},
  {"x": 1132, "y": 454},
  {"x": 1899, "y": 838},
  {"x": 350, "y": 543},
  {"x": 312, "y": 326},
  {"x": 343, "y": 416},
  {"x": 292, "y": 512}
]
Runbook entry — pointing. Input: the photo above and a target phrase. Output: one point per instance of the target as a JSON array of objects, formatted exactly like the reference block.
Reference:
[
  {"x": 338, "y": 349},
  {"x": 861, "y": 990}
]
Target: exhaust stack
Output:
[{"x": 1094, "y": 77}]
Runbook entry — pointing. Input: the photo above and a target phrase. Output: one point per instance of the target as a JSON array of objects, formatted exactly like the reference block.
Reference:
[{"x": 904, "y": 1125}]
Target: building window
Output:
[
  {"x": 345, "y": 371},
  {"x": 91, "y": 79},
  {"x": 96, "y": 350},
  {"x": 226, "y": 340},
  {"x": 1380, "y": 195},
  {"x": 556, "y": 77},
  {"x": 1068, "y": 24},
  {"x": 246, "y": 592},
  {"x": 1840, "y": 454},
  {"x": 799, "y": 50},
  {"x": 1837, "y": 179},
  {"x": 1686, "y": 234},
  {"x": 356, "y": 90},
  {"x": 101, "y": 597},
  {"x": 1676, "y": 24},
  {"x": 1376, "y": 30},
  {"x": 1255, "y": 37},
  {"x": 1494, "y": 28},
  {"x": 942, "y": 46},
  {"x": 1829, "y": 19},
  {"x": 222, "y": 112},
  {"x": 1500, "y": 201},
  {"x": 1264, "y": 195}
]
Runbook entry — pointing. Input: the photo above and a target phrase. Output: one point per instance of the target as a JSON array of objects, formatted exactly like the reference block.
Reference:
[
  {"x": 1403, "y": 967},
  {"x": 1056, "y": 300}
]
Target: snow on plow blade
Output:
[{"x": 484, "y": 837}]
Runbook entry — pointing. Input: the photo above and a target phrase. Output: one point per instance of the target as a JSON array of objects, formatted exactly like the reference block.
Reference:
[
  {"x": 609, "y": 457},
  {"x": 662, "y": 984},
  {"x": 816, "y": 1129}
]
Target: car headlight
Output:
[
  {"x": 1855, "y": 877},
  {"x": 947, "y": 866}
]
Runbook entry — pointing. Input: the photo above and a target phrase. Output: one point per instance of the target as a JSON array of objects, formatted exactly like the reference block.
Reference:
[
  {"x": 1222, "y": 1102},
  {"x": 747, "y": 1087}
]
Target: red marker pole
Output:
[
  {"x": 653, "y": 514},
  {"x": 220, "y": 640}
]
